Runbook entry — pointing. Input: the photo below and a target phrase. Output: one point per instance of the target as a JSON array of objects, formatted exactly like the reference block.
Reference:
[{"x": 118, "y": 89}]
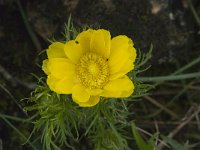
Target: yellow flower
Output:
[{"x": 91, "y": 66}]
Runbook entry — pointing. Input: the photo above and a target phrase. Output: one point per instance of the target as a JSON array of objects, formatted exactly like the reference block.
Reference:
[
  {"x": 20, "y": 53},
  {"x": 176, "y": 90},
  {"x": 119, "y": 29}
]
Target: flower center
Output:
[{"x": 92, "y": 70}]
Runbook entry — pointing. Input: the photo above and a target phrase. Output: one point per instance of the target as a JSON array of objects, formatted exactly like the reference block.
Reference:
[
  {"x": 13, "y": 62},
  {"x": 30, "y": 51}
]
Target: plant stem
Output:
[
  {"x": 194, "y": 12},
  {"x": 19, "y": 132},
  {"x": 194, "y": 62},
  {"x": 14, "y": 118},
  {"x": 170, "y": 77},
  {"x": 28, "y": 27}
]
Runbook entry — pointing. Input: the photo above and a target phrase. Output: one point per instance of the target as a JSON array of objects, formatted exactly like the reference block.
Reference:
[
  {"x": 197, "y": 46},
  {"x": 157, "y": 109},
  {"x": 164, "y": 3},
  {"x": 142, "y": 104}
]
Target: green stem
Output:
[
  {"x": 12, "y": 98},
  {"x": 170, "y": 77},
  {"x": 194, "y": 62},
  {"x": 167, "y": 78},
  {"x": 194, "y": 12},
  {"x": 28, "y": 27},
  {"x": 18, "y": 131},
  {"x": 14, "y": 118}
]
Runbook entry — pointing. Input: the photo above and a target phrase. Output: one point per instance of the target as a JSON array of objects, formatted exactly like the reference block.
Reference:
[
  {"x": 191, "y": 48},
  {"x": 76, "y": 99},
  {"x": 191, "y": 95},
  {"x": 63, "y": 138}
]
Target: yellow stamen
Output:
[{"x": 92, "y": 70}]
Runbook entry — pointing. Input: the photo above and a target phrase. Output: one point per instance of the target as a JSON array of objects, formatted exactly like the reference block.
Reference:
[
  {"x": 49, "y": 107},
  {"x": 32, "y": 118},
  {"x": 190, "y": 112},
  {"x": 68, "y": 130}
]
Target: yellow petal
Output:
[
  {"x": 65, "y": 86},
  {"x": 132, "y": 53},
  {"x": 100, "y": 43},
  {"x": 73, "y": 50},
  {"x": 61, "y": 67},
  {"x": 122, "y": 87},
  {"x": 44, "y": 66},
  {"x": 94, "y": 91},
  {"x": 84, "y": 39},
  {"x": 51, "y": 82},
  {"x": 125, "y": 44},
  {"x": 122, "y": 56},
  {"x": 80, "y": 94},
  {"x": 128, "y": 66},
  {"x": 91, "y": 102},
  {"x": 61, "y": 86},
  {"x": 56, "y": 50}
]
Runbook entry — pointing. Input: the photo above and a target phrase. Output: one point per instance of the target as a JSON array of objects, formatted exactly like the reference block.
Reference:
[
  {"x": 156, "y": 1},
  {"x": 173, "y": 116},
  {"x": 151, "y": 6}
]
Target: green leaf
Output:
[
  {"x": 174, "y": 144},
  {"x": 142, "y": 145}
]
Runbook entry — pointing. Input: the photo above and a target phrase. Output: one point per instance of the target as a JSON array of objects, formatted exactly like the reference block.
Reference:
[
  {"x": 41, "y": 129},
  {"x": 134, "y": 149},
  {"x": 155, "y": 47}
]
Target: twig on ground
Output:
[
  {"x": 15, "y": 81},
  {"x": 185, "y": 121},
  {"x": 149, "y": 134},
  {"x": 153, "y": 101}
]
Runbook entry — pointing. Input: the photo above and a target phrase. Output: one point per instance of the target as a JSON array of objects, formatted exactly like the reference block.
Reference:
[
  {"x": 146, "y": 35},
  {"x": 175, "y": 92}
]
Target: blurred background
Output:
[{"x": 172, "y": 26}]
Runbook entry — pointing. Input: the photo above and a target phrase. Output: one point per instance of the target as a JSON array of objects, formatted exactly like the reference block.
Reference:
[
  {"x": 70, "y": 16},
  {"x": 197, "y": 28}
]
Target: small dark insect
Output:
[
  {"x": 106, "y": 59},
  {"x": 76, "y": 42}
]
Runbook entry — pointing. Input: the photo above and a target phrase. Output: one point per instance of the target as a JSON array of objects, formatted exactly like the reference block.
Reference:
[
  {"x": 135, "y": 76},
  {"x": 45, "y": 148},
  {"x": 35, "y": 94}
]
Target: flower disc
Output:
[{"x": 92, "y": 70}]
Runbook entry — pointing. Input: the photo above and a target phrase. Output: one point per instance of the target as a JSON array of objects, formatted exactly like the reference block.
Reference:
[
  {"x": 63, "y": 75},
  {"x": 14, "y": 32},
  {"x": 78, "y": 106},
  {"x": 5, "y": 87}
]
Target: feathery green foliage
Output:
[
  {"x": 56, "y": 116},
  {"x": 60, "y": 120},
  {"x": 142, "y": 145}
]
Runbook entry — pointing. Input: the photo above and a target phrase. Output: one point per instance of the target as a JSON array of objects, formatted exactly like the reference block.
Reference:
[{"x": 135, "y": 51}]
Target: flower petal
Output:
[
  {"x": 122, "y": 87},
  {"x": 61, "y": 86},
  {"x": 84, "y": 39},
  {"x": 128, "y": 66},
  {"x": 94, "y": 91},
  {"x": 91, "y": 102},
  {"x": 44, "y": 66},
  {"x": 80, "y": 94},
  {"x": 65, "y": 85},
  {"x": 61, "y": 67},
  {"x": 51, "y": 82},
  {"x": 132, "y": 52},
  {"x": 100, "y": 43},
  {"x": 122, "y": 56},
  {"x": 73, "y": 50},
  {"x": 123, "y": 43},
  {"x": 56, "y": 50}
]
